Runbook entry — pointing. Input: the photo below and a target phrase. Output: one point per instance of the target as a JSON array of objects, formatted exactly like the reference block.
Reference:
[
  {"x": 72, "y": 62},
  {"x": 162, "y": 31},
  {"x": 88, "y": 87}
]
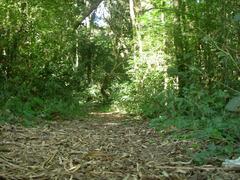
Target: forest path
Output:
[{"x": 100, "y": 146}]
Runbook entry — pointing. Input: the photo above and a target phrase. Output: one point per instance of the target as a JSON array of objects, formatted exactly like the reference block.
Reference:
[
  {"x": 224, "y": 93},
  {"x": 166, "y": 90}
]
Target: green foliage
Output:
[
  {"x": 150, "y": 97},
  {"x": 234, "y": 104},
  {"x": 218, "y": 136},
  {"x": 48, "y": 66},
  {"x": 139, "y": 97},
  {"x": 184, "y": 70},
  {"x": 34, "y": 110}
]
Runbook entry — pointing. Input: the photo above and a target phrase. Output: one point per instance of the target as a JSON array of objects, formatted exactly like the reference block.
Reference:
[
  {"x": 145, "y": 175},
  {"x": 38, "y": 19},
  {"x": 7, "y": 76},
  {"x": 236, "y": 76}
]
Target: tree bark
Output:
[{"x": 135, "y": 6}]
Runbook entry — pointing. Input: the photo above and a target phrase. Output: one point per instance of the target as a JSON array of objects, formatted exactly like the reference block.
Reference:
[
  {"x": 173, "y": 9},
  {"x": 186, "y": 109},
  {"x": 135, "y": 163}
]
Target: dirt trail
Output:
[{"x": 101, "y": 146}]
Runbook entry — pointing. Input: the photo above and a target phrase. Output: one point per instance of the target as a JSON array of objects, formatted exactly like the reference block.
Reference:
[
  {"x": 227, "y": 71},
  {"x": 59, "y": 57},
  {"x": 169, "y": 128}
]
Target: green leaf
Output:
[
  {"x": 237, "y": 17},
  {"x": 233, "y": 105}
]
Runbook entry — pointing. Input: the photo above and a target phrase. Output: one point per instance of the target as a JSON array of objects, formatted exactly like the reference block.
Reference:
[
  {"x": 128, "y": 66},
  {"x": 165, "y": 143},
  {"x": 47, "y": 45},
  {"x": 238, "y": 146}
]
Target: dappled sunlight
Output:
[{"x": 109, "y": 116}]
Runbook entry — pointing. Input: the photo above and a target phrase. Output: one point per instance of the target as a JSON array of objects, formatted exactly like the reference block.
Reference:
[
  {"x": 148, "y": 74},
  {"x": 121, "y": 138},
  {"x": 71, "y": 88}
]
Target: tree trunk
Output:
[
  {"x": 179, "y": 46},
  {"x": 135, "y": 7}
]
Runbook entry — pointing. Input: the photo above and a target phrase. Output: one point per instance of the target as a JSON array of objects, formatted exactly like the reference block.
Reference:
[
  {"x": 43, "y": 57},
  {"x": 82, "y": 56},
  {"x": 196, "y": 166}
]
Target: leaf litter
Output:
[{"x": 101, "y": 146}]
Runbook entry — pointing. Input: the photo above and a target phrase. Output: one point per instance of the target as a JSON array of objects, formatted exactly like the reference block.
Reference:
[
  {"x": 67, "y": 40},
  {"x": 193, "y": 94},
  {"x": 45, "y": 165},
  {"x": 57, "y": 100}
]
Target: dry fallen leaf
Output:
[{"x": 97, "y": 149}]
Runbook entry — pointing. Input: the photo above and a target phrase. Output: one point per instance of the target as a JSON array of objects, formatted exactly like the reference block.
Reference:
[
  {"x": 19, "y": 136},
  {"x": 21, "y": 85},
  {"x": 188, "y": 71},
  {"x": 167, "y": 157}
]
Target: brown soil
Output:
[{"x": 101, "y": 146}]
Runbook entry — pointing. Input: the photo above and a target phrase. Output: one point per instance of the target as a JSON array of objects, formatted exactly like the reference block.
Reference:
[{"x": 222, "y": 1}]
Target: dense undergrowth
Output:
[
  {"x": 32, "y": 103},
  {"x": 35, "y": 110},
  {"x": 217, "y": 137},
  {"x": 197, "y": 115}
]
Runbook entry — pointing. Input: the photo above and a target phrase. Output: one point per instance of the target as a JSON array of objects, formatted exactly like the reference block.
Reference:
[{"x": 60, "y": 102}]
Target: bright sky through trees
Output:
[{"x": 99, "y": 15}]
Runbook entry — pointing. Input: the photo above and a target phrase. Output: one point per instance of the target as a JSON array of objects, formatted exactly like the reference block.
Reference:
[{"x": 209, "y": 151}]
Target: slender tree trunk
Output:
[
  {"x": 179, "y": 46},
  {"x": 135, "y": 7}
]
